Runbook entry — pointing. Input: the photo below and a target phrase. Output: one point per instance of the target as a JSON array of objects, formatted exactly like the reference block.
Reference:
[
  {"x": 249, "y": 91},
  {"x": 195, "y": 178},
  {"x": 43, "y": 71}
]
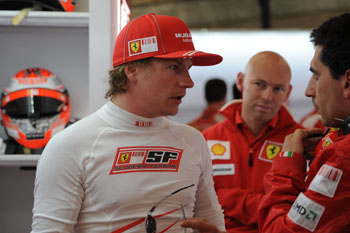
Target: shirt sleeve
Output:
[
  {"x": 240, "y": 204},
  {"x": 58, "y": 192},
  {"x": 207, "y": 205},
  {"x": 291, "y": 206}
]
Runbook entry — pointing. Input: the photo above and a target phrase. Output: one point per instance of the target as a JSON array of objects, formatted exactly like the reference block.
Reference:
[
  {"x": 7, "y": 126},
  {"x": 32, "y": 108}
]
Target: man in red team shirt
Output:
[
  {"x": 319, "y": 202},
  {"x": 243, "y": 146}
]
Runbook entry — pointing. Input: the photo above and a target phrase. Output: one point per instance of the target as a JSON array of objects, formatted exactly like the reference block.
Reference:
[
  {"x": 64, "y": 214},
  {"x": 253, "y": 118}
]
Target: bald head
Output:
[
  {"x": 265, "y": 86},
  {"x": 266, "y": 62}
]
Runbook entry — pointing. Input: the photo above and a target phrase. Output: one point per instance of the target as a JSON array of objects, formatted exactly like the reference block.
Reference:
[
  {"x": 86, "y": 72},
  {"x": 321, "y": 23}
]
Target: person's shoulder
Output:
[
  {"x": 220, "y": 127},
  {"x": 183, "y": 127},
  {"x": 79, "y": 131},
  {"x": 185, "y": 132}
]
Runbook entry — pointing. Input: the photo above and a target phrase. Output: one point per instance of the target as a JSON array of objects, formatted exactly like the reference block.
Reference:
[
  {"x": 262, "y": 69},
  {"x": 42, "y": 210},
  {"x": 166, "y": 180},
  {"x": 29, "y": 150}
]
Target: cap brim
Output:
[{"x": 199, "y": 58}]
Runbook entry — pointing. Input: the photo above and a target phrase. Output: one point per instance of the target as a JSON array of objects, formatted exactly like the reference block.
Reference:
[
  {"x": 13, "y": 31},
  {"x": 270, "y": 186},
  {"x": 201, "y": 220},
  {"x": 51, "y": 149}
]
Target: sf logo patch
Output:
[
  {"x": 146, "y": 159},
  {"x": 135, "y": 46},
  {"x": 269, "y": 150}
]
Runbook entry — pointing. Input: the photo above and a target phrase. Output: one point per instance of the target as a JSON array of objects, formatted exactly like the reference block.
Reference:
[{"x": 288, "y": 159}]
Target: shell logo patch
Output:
[
  {"x": 219, "y": 149},
  {"x": 269, "y": 150}
]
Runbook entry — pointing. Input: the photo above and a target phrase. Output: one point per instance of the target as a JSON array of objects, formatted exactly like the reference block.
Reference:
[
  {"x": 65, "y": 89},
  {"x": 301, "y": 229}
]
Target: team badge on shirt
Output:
[
  {"x": 223, "y": 169},
  {"x": 269, "y": 150},
  {"x": 306, "y": 212},
  {"x": 219, "y": 149},
  {"x": 326, "y": 180},
  {"x": 146, "y": 159}
]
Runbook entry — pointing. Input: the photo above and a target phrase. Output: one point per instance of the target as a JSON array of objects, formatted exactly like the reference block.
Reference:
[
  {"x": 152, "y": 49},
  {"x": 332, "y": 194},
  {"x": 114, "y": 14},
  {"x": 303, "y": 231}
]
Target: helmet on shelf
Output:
[
  {"x": 51, "y": 5},
  {"x": 34, "y": 107}
]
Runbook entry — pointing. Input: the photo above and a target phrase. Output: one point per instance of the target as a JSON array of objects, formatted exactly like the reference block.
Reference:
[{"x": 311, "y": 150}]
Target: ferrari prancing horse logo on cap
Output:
[
  {"x": 135, "y": 46},
  {"x": 143, "y": 45}
]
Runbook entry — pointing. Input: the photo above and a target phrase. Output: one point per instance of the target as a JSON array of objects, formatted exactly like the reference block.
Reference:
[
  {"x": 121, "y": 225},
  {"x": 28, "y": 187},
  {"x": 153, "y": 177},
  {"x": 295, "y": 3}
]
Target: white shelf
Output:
[
  {"x": 19, "y": 160},
  {"x": 47, "y": 18}
]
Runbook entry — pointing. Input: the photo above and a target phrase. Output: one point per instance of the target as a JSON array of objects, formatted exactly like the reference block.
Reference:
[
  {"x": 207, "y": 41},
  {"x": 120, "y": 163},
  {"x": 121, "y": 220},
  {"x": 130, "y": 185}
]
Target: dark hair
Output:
[
  {"x": 215, "y": 90},
  {"x": 236, "y": 94},
  {"x": 334, "y": 36}
]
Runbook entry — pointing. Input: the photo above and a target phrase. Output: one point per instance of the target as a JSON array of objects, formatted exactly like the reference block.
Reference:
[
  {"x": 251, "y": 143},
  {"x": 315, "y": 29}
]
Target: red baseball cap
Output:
[{"x": 159, "y": 36}]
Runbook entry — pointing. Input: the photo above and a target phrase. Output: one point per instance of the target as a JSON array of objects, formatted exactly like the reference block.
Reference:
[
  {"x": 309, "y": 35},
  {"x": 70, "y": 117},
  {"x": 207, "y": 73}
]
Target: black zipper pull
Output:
[{"x": 250, "y": 161}]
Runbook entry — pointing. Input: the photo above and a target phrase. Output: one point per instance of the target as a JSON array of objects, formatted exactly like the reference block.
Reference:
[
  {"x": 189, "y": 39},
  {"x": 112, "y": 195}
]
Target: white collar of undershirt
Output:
[{"x": 120, "y": 118}]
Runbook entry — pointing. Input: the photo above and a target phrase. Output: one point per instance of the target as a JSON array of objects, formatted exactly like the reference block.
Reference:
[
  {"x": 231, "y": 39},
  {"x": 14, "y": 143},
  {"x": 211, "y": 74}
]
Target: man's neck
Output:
[{"x": 255, "y": 126}]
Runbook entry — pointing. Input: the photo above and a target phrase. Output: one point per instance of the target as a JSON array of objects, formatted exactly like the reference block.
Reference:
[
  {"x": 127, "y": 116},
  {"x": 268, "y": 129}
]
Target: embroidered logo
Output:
[
  {"x": 146, "y": 159},
  {"x": 143, "y": 45},
  {"x": 326, "y": 180},
  {"x": 219, "y": 149},
  {"x": 305, "y": 212},
  {"x": 135, "y": 46},
  {"x": 287, "y": 154},
  {"x": 223, "y": 169},
  {"x": 326, "y": 142},
  {"x": 125, "y": 157},
  {"x": 269, "y": 150},
  {"x": 144, "y": 123}
]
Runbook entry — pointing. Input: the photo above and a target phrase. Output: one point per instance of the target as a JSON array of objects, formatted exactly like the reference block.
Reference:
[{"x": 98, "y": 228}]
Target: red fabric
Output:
[
  {"x": 240, "y": 193},
  {"x": 286, "y": 181},
  {"x": 208, "y": 118}
]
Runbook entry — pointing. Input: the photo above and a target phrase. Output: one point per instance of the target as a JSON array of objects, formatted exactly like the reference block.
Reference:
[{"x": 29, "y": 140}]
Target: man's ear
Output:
[
  {"x": 131, "y": 71},
  {"x": 239, "y": 81},
  {"x": 346, "y": 85},
  {"x": 290, "y": 87}
]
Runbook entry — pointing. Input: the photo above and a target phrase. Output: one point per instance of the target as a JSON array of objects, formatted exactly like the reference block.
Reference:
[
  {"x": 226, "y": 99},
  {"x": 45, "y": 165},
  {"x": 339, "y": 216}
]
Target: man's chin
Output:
[
  {"x": 263, "y": 117},
  {"x": 171, "y": 113}
]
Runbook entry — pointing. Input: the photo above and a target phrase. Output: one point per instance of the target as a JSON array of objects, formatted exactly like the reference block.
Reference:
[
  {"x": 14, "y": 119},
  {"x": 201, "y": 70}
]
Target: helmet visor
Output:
[{"x": 33, "y": 107}]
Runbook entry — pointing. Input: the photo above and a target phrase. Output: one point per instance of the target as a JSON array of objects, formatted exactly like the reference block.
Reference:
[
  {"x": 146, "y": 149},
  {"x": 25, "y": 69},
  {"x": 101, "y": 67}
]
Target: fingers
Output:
[
  {"x": 314, "y": 132},
  {"x": 302, "y": 139}
]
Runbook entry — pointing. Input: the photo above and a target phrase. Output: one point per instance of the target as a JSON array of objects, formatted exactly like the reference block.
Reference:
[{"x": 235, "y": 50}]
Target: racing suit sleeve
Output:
[
  {"x": 207, "y": 205},
  {"x": 291, "y": 206},
  {"x": 58, "y": 192},
  {"x": 240, "y": 204}
]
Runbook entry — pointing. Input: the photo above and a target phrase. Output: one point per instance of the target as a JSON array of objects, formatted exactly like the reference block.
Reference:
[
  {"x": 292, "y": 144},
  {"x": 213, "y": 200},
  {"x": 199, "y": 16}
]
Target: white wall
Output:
[{"x": 237, "y": 47}]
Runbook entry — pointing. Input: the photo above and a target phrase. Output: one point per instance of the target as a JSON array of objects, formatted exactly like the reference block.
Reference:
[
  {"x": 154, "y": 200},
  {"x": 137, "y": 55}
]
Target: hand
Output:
[
  {"x": 310, "y": 142},
  {"x": 302, "y": 140},
  {"x": 200, "y": 225}
]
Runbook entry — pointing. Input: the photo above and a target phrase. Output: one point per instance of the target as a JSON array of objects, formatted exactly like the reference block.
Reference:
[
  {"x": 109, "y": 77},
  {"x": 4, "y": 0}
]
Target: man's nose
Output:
[
  {"x": 186, "y": 81},
  {"x": 267, "y": 93},
  {"x": 310, "y": 89}
]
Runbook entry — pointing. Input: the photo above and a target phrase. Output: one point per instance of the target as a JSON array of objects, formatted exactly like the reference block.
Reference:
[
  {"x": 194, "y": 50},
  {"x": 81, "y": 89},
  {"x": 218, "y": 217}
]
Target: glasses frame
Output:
[{"x": 150, "y": 222}]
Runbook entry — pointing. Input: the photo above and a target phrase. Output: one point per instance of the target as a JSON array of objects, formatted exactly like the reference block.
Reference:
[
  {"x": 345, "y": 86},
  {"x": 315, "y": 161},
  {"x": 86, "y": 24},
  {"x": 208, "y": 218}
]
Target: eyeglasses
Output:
[{"x": 150, "y": 222}]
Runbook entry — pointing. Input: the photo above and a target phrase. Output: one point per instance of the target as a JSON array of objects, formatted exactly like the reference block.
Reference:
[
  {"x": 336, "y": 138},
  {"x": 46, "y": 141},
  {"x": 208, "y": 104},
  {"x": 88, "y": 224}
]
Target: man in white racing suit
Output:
[{"x": 126, "y": 167}]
